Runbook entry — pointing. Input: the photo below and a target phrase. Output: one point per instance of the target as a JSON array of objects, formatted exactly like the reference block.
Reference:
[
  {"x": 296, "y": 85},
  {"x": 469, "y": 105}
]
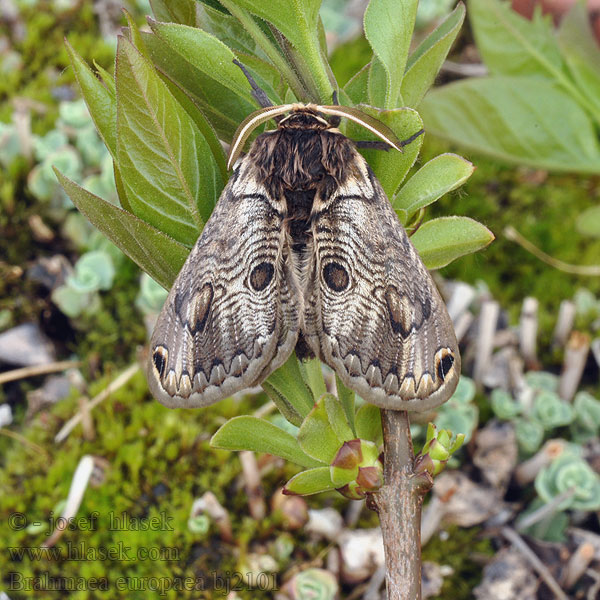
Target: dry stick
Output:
[
  {"x": 488, "y": 319},
  {"x": 527, "y": 471},
  {"x": 112, "y": 387},
  {"x": 462, "y": 325},
  {"x": 36, "y": 370},
  {"x": 576, "y": 354},
  {"x": 528, "y": 330},
  {"x": 564, "y": 323},
  {"x": 398, "y": 504},
  {"x": 578, "y": 563},
  {"x": 545, "y": 511},
  {"x": 516, "y": 540},
  {"x": 512, "y": 234},
  {"x": 23, "y": 440},
  {"x": 252, "y": 483}
]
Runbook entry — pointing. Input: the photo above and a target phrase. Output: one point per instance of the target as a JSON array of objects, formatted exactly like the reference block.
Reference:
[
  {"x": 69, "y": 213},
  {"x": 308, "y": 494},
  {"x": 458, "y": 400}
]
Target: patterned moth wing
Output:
[
  {"x": 231, "y": 317},
  {"x": 372, "y": 311}
]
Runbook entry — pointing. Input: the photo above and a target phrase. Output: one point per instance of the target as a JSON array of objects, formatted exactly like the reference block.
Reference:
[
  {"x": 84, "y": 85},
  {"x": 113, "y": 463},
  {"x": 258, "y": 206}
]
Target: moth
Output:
[{"x": 304, "y": 251}]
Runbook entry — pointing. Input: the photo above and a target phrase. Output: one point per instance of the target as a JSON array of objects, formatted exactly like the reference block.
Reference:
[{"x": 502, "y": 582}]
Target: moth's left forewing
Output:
[
  {"x": 231, "y": 317},
  {"x": 372, "y": 311}
]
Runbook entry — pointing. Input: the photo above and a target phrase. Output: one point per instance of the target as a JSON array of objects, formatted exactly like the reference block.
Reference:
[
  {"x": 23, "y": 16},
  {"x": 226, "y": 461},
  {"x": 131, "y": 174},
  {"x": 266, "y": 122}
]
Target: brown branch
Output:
[
  {"x": 35, "y": 370},
  {"x": 398, "y": 504}
]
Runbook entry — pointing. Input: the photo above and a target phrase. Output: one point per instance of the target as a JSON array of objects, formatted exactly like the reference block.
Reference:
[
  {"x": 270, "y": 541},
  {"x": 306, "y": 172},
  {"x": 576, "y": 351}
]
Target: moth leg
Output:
[{"x": 257, "y": 93}]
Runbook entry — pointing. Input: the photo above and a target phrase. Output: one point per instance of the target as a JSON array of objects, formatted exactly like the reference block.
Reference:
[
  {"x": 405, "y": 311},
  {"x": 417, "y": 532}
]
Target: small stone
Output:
[
  {"x": 324, "y": 523},
  {"x": 50, "y": 272},
  {"x": 55, "y": 388},
  {"x": 362, "y": 553},
  {"x": 25, "y": 346}
]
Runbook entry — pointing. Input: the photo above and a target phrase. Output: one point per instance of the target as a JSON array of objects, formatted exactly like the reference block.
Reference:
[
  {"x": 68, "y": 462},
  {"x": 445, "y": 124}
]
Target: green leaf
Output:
[
  {"x": 435, "y": 178},
  {"x": 440, "y": 241},
  {"x": 388, "y": 28},
  {"x": 523, "y": 120},
  {"x": 156, "y": 253},
  {"x": 313, "y": 374},
  {"x": 368, "y": 423},
  {"x": 337, "y": 418},
  {"x": 134, "y": 36},
  {"x": 309, "y": 482},
  {"x": 288, "y": 381},
  {"x": 223, "y": 109},
  {"x": 258, "y": 435},
  {"x": 100, "y": 100},
  {"x": 193, "y": 110},
  {"x": 377, "y": 84},
  {"x": 175, "y": 11},
  {"x": 208, "y": 54},
  {"x": 316, "y": 436},
  {"x": 511, "y": 44},
  {"x": 346, "y": 397},
  {"x": 425, "y": 62},
  {"x": 357, "y": 87},
  {"x": 228, "y": 29},
  {"x": 580, "y": 50},
  {"x": 390, "y": 167},
  {"x": 284, "y": 406},
  {"x": 168, "y": 170},
  {"x": 298, "y": 21}
]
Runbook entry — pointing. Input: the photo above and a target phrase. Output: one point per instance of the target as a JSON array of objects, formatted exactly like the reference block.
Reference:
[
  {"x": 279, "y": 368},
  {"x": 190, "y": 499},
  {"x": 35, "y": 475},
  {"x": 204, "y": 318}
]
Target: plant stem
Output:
[{"x": 398, "y": 504}]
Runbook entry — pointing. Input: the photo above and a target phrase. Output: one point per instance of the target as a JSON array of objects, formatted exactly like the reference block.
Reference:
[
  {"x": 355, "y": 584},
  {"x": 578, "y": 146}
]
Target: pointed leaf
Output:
[
  {"x": 258, "y": 435},
  {"x": 134, "y": 36},
  {"x": 581, "y": 52},
  {"x": 511, "y": 44},
  {"x": 435, "y": 178},
  {"x": 309, "y": 482},
  {"x": 523, "y": 120},
  {"x": 100, "y": 100},
  {"x": 390, "y": 167},
  {"x": 425, "y": 62},
  {"x": 368, "y": 423},
  {"x": 388, "y": 28},
  {"x": 193, "y": 110},
  {"x": 228, "y": 29},
  {"x": 337, "y": 418},
  {"x": 298, "y": 21},
  {"x": 222, "y": 108},
  {"x": 284, "y": 406},
  {"x": 313, "y": 374},
  {"x": 288, "y": 381},
  {"x": 206, "y": 53},
  {"x": 316, "y": 436},
  {"x": 175, "y": 11},
  {"x": 156, "y": 253},
  {"x": 440, "y": 241},
  {"x": 378, "y": 83},
  {"x": 168, "y": 170},
  {"x": 346, "y": 397},
  {"x": 358, "y": 86}
]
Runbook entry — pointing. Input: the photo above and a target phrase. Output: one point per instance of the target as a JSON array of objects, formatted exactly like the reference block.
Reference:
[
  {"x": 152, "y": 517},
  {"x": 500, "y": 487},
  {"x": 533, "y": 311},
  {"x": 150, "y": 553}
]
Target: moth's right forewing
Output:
[{"x": 231, "y": 317}]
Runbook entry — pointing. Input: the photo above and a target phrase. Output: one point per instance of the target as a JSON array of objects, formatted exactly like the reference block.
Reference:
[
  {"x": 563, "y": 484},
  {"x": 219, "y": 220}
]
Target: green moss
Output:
[
  {"x": 157, "y": 462},
  {"x": 458, "y": 551}
]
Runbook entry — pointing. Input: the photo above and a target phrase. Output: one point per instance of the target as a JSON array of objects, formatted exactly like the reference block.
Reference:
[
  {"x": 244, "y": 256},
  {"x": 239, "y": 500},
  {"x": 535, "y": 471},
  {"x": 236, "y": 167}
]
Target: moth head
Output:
[{"x": 308, "y": 116}]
